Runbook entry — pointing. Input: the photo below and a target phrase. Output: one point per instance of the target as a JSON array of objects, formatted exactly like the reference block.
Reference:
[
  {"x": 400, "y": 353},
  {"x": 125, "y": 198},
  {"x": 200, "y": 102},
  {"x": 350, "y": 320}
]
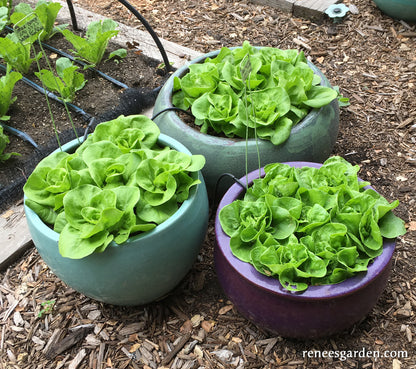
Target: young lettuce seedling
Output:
[
  {"x": 45, "y": 11},
  {"x": 4, "y": 140},
  {"x": 7, "y": 83},
  {"x": 91, "y": 48},
  {"x": 69, "y": 81},
  {"x": 16, "y": 53},
  {"x": 5, "y": 9}
]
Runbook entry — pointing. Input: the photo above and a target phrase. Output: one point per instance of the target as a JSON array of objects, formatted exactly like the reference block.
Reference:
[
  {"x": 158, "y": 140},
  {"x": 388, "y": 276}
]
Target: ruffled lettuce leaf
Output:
[{"x": 308, "y": 226}]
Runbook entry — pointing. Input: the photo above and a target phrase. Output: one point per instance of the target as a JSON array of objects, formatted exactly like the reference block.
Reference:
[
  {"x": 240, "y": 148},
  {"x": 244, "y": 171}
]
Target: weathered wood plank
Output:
[
  {"x": 284, "y": 5},
  {"x": 14, "y": 235},
  {"x": 313, "y": 9}
]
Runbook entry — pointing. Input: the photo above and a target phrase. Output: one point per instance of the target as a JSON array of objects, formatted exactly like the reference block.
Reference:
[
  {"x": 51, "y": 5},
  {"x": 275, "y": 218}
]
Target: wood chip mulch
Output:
[{"x": 44, "y": 324}]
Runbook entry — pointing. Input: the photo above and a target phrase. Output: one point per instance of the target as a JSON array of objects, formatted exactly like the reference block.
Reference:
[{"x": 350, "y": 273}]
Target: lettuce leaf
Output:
[
  {"x": 247, "y": 91},
  {"x": 117, "y": 183},
  {"x": 308, "y": 226}
]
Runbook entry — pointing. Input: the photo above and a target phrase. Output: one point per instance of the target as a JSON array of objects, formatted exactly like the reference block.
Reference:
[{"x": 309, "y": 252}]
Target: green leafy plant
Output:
[
  {"x": 117, "y": 183},
  {"x": 7, "y": 84},
  {"x": 4, "y": 140},
  {"x": 283, "y": 89},
  {"x": 17, "y": 54},
  {"x": 309, "y": 226},
  {"x": 68, "y": 84},
  {"x": 5, "y": 10},
  {"x": 91, "y": 48},
  {"x": 45, "y": 11},
  {"x": 118, "y": 54},
  {"x": 342, "y": 100},
  {"x": 4, "y": 17},
  {"x": 47, "y": 307}
]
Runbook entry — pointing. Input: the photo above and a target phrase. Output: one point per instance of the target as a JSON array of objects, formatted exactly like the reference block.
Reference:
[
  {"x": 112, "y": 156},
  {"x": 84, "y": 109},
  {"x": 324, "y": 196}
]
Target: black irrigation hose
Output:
[
  {"x": 156, "y": 39},
  {"x": 51, "y": 95},
  {"x": 233, "y": 177},
  {"x": 72, "y": 58},
  {"x": 23, "y": 135},
  {"x": 172, "y": 108},
  {"x": 72, "y": 13}
]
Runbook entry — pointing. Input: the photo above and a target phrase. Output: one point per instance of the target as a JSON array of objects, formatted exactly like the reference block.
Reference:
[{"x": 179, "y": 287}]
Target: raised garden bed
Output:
[
  {"x": 141, "y": 70},
  {"x": 197, "y": 326},
  {"x": 99, "y": 97}
]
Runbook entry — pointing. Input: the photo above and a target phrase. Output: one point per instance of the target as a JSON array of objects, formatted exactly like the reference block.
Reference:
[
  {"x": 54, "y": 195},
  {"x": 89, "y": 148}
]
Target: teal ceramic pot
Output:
[
  {"x": 399, "y": 9},
  {"x": 312, "y": 139},
  {"x": 144, "y": 268}
]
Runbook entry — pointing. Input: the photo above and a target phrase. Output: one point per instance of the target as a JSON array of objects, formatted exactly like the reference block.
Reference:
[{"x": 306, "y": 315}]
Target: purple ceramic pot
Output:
[{"x": 317, "y": 312}]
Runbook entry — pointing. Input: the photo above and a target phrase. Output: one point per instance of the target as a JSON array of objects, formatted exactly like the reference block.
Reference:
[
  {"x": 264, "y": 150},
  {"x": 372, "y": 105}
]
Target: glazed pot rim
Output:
[
  {"x": 227, "y": 140},
  {"x": 165, "y": 141},
  {"x": 272, "y": 285}
]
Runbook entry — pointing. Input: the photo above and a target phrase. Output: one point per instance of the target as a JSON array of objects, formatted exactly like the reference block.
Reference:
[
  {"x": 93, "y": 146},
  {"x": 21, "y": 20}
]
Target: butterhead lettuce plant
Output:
[
  {"x": 309, "y": 226},
  {"x": 118, "y": 183},
  {"x": 280, "y": 90}
]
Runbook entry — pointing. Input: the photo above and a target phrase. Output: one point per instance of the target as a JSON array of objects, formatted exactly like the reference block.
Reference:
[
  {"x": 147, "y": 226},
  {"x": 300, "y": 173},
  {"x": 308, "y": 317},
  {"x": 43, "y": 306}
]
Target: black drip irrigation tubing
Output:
[
  {"x": 51, "y": 95},
  {"x": 23, "y": 135},
  {"x": 80, "y": 62},
  {"x": 70, "y": 57},
  {"x": 72, "y": 14}
]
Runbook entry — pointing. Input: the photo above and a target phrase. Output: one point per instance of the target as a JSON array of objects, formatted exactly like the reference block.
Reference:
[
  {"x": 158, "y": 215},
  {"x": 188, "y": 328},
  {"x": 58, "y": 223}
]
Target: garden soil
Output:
[
  {"x": 372, "y": 58},
  {"x": 46, "y": 120}
]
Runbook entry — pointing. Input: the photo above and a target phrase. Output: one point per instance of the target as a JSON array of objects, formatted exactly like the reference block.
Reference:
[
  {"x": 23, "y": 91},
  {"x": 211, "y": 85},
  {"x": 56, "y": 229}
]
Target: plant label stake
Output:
[{"x": 29, "y": 29}]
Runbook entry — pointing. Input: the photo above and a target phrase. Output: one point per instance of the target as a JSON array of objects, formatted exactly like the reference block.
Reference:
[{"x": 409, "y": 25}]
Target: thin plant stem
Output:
[
  {"x": 255, "y": 130},
  {"x": 245, "y": 70},
  {"x": 48, "y": 103},
  {"x": 58, "y": 88}
]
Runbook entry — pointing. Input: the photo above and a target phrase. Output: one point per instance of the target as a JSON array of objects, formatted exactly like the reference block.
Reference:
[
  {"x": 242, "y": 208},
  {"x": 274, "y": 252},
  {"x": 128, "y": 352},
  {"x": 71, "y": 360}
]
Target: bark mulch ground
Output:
[{"x": 44, "y": 324}]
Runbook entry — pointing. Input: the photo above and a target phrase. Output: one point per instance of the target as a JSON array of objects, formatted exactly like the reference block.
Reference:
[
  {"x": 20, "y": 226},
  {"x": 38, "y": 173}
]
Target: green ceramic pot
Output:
[
  {"x": 144, "y": 268},
  {"x": 312, "y": 139},
  {"x": 399, "y": 9}
]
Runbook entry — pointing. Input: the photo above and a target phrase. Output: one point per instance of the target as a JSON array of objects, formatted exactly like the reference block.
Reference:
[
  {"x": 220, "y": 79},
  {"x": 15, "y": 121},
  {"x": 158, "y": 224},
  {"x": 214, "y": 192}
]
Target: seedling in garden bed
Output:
[
  {"x": 5, "y": 10},
  {"x": 17, "y": 54},
  {"x": 27, "y": 31},
  {"x": 91, "y": 48},
  {"x": 4, "y": 140},
  {"x": 7, "y": 83},
  {"x": 70, "y": 80},
  {"x": 4, "y": 17},
  {"x": 45, "y": 11}
]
